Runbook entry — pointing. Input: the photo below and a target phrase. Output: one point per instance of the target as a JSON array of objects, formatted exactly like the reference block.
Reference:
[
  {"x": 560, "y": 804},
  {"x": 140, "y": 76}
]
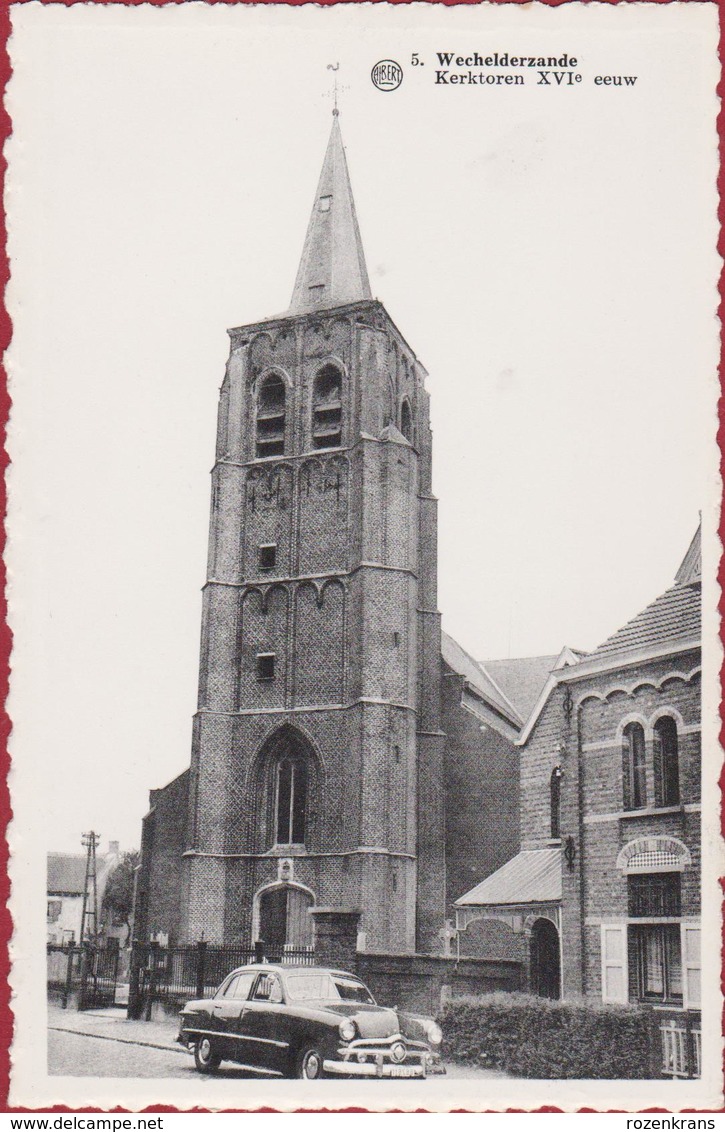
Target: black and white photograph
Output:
[{"x": 362, "y": 556}]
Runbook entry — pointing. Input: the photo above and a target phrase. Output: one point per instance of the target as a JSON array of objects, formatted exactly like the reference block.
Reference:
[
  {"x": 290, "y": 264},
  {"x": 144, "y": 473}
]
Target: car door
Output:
[
  {"x": 265, "y": 1024},
  {"x": 226, "y": 1014}
]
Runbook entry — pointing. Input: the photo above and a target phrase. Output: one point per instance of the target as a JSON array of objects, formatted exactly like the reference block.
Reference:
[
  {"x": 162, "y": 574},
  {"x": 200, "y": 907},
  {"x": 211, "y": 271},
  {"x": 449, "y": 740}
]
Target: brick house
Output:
[
  {"x": 604, "y": 894},
  {"x": 342, "y": 755}
]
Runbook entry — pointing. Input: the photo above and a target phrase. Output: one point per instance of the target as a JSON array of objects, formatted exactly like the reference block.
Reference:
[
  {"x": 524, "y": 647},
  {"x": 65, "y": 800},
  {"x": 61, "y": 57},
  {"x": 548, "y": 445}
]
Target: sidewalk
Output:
[{"x": 112, "y": 1024}]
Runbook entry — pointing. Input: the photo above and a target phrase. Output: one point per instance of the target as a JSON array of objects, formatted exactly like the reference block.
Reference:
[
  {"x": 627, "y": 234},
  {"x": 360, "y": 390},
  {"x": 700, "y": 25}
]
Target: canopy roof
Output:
[{"x": 531, "y": 877}]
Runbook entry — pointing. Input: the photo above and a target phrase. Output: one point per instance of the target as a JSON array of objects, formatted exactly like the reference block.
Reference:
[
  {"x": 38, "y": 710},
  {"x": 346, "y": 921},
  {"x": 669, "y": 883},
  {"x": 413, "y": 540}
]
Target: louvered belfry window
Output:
[
  {"x": 271, "y": 417},
  {"x": 327, "y": 408}
]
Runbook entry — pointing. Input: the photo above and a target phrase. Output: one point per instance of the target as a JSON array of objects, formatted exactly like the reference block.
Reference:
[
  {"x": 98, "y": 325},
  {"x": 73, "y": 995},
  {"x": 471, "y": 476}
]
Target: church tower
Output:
[{"x": 317, "y": 760}]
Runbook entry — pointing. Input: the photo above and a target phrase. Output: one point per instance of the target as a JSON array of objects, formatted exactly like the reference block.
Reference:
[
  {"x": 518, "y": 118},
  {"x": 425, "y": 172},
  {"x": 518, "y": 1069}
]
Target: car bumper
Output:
[{"x": 366, "y": 1058}]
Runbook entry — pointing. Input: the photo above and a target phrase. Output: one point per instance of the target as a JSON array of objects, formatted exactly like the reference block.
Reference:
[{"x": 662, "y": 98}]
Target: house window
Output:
[
  {"x": 654, "y": 894},
  {"x": 658, "y": 962},
  {"x": 325, "y": 203},
  {"x": 634, "y": 780},
  {"x": 268, "y": 556},
  {"x": 265, "y": 665},
  {"x": 555, "y": 801},
  {"x": 271, "y": 417},
  {"x": 657, "y": 953},
  {"x": 291, "y": 801},
  {"x": 327, "y": 408},
  {"x": 406, "y": 421},
  {"x": 54, "y": 907},
  {"x": 666, "y": 763}
]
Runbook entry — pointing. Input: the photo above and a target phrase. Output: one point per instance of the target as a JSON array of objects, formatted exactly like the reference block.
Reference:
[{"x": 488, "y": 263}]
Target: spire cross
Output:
[{"x": 336, "y": 89}]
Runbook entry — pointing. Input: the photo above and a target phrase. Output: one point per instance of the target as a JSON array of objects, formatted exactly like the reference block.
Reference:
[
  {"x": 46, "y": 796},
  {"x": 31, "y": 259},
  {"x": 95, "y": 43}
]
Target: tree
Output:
[{"x": 118, "y": 897}]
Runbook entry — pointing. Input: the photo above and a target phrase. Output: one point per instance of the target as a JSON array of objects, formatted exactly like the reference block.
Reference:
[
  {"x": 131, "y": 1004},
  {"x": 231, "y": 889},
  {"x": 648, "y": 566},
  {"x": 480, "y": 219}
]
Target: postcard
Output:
[{"x": 362, "y": 552}]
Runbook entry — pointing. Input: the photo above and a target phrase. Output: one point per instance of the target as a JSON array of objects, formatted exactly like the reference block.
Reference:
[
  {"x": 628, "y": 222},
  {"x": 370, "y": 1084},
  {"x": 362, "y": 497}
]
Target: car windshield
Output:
[{"x": 321, "y": 987}]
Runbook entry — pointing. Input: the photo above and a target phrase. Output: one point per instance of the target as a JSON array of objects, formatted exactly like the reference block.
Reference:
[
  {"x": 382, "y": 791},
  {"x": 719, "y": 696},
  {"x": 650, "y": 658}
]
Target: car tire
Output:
[
  {"x": 205, "y": 1060},
  {"x": 308, "y": 1064}
]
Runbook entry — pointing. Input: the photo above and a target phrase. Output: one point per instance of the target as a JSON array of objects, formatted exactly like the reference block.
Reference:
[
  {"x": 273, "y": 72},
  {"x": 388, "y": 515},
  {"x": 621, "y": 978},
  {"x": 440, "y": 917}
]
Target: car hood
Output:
[{"x": 371, "y": 1021}]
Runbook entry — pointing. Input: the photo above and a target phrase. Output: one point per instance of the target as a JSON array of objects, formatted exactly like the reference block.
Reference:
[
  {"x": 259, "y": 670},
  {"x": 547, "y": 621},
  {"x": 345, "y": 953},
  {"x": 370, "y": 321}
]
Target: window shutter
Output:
[
  {"x": 691, "y": 966},
  {"x": 615, "y": 987}
]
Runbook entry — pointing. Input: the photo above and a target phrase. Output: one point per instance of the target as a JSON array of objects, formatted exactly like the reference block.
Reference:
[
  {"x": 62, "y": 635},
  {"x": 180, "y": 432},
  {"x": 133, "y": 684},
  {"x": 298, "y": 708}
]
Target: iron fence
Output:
[
  {"x": 173, "y": 975},
  {"x": 86, "y": 974}
]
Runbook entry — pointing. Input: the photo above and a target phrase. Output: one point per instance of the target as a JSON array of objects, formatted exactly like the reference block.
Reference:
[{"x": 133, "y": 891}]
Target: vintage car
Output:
[{"x": 307, "y": 1022}]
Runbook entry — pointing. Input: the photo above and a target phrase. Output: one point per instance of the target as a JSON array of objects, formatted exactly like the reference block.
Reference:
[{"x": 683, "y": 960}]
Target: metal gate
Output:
[{"x": 99, "y": 974}]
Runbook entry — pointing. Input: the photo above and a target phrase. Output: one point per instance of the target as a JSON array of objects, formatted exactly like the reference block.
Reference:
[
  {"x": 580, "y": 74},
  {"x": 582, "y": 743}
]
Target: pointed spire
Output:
[{"x": 332, "y": 270}]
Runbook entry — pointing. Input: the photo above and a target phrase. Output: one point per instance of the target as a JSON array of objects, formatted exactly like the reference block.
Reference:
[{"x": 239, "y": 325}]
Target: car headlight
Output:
[
  {"x": 434, "y": 1033},
  {"x": 347, "y": 1030}
]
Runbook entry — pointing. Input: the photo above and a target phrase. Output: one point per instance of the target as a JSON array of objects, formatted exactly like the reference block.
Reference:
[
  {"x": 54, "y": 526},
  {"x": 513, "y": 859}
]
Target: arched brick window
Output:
[
  {"x": 634, "y": 775},
  {"x": 666, "y": 762},
  {"x": 327, "y": 408},
  {"x": 271, "y": 404},
  {"x": 284, "y": 793}
]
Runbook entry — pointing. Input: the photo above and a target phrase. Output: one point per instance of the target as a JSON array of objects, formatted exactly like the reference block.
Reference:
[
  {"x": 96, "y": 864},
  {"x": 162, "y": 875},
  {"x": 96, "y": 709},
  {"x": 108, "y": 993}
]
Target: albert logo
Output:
[{"x": 387, "y": 74}]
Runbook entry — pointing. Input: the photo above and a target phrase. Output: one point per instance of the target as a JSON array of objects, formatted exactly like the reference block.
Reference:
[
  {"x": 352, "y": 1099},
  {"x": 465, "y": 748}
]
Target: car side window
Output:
[
  {"x": 228, "y": 990},
  {"x": 268, "y": 989},
  {"x": 243, "y": 985}
]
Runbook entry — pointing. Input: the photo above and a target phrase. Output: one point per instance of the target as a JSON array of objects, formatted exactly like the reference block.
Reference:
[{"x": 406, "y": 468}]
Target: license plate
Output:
[{"x": 404, "y": 1071}]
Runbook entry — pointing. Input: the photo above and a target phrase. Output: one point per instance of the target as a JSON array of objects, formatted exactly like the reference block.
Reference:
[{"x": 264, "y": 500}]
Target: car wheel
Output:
[
  {"x": 205, "y": 1059},
  {"x": 309, "y": 1064}
]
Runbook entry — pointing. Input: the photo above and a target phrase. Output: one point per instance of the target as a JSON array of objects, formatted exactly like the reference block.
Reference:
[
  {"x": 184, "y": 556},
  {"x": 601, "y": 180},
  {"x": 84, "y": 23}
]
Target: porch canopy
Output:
[{"x": 529, "y": 884}]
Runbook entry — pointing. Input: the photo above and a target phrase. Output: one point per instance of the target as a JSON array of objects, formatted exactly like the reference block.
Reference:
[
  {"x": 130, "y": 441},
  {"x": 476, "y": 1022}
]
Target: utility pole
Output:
[{"x": 89, "y": 915}]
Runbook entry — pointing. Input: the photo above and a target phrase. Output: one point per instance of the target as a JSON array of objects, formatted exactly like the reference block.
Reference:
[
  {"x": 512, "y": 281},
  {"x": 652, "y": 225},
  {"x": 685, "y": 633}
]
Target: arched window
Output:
[
  {"x": 327, "y": 408},
  {"x": 406, "y": 420},
  {"x": 271, "y": 416},
  {"x": 291, "y": 808},
  {"x": 666, "y": 763},
  {"x": 634, "y": 777},
  {"x": 555, "y": 801}
]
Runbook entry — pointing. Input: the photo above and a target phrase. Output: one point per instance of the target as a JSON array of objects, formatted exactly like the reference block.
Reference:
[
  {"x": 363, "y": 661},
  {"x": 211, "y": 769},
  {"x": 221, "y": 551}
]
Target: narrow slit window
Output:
[
  {"x": 555, "y": 801},
  {"x": 406, "y": 420},
  {"x": 325, "y": 203},
  {"x": 271, "y": 415},
  {"x": 327, "y": 408},
  {"x": 265, "y": 665}
]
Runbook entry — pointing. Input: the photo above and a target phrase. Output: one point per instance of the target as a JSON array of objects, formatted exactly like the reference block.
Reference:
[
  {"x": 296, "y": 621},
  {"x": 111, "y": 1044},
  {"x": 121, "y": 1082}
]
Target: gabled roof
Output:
[
  {"x": 690, "y": 570},
  {"x": 66, "y": 872},
  {"x": 673, "y": 617},
  {"x": 332, "y": 270},
  {"x": 671, "y": 623},
  {"x": 521, "y": 679},
  {"x": 531, "y": 877},
  {"x": 479, "y": 680}
]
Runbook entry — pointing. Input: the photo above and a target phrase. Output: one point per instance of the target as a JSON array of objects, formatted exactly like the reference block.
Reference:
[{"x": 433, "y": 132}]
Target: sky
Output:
[{"x": 548, "y": 253}]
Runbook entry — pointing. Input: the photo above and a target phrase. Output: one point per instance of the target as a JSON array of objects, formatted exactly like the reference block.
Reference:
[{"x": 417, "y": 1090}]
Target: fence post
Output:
[
  {"x": 200, "y": 968},
  {"x": 134, "y": 980},
  {"x": 68, "y": 978},
  {"x": 259, "y": 951},
  {"x": 153, "y": 964}
]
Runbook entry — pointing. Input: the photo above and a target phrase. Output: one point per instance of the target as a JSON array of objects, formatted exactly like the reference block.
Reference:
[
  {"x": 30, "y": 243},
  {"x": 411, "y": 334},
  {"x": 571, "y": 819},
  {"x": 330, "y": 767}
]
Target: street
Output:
[{"x": 103, "y": 1044}]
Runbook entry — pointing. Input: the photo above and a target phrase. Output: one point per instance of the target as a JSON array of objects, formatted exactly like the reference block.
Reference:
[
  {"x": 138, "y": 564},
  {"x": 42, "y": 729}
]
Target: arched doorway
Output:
[
  {"x": 284, "y": 916},
  {"x": 545, "y": 960}
]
